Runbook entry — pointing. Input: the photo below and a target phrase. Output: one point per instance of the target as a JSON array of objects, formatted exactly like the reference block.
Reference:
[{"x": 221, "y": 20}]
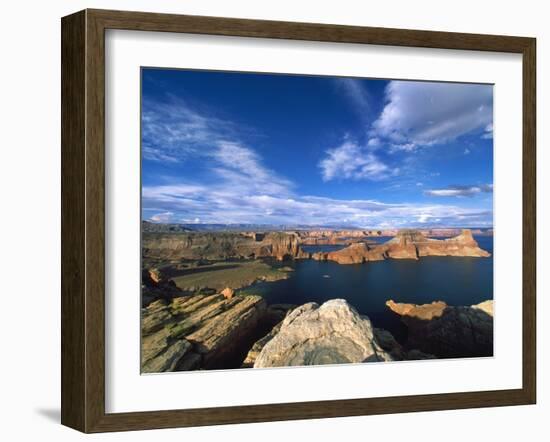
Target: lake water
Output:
[{"x": 455, "y": 280}]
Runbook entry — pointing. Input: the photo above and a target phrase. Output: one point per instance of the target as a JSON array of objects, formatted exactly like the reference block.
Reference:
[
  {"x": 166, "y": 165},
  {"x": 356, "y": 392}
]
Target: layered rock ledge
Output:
[
  {"x": 213, "y": 332},
  {"x": 200, "y": 331},
  {"x": 448, "y": 331},
  {"x": 408, "y": 244}
]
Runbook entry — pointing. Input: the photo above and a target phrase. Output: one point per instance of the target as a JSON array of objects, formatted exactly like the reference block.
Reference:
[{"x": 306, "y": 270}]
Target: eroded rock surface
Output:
[
  {"x": 275, "y": 315},
  {"x": 328, "y": 334},
  {"x": 396, "y": 350},
  {"x": 201, "y": 331},
  {"x": 356, "y": 253},
  {"x": 461, "y": 245},
  {"x": 407, "y": 244},
  {"x": 222, "y": 245},
  {"x": 448, "y": 331}
]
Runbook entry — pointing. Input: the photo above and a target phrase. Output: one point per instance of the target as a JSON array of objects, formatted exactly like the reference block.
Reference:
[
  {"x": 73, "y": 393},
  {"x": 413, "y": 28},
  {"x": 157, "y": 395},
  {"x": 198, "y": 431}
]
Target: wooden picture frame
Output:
[{"x": 83, "y": 220}]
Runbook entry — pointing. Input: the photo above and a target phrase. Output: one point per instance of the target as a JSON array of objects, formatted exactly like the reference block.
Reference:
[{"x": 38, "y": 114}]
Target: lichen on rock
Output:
[{"x": 332, "y": 333}]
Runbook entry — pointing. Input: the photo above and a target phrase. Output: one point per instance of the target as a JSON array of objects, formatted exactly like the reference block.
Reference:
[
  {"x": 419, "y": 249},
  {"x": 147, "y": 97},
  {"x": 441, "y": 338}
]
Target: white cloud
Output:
[
  {"x": 172, "y": 131},
  {"x": 241, "y": 166},
  {"x": 357, "y": 94},
  {"x": 488, "y": 134},
  {"x": 403, "y": 147},
  {"x": 164, "y": 217},
  {"x": 423, "y": 217},
  {"x": 426, "y": 113},
  {"x": 460, "y": 190},
  {"x": 219, "y": 203},
  {"x": 352, "y": 161},
  {"x": 374, "y": 143}
]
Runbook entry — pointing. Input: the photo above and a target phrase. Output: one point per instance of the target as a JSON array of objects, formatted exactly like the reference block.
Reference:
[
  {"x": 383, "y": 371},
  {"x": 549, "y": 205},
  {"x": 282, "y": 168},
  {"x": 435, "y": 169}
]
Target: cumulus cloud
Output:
[
  {"x": 460, "y": 191},
  {"x": 352, "y": 161},
  {"x": 420, "y": 114}
]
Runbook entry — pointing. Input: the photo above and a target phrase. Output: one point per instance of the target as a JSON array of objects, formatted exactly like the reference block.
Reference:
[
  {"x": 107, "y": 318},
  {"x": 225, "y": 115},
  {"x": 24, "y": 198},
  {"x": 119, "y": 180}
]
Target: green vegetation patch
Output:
[{"x": 233, "y": 274}]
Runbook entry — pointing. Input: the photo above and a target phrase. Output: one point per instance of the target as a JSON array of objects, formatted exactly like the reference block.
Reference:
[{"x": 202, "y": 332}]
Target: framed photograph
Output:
[{"x": 268, "y": 220}]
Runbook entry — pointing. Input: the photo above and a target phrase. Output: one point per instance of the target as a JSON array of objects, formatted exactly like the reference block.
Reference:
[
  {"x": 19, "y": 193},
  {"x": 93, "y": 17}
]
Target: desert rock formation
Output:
[
  {"x": 328, "y": 334},
  {"x": 198, "y": 331},
  {"x": 448, "y": 331},
  {"x": 408, "y": 244},
  {"x": 357, "y": 253},
  {"x": 222, "y": 245}
]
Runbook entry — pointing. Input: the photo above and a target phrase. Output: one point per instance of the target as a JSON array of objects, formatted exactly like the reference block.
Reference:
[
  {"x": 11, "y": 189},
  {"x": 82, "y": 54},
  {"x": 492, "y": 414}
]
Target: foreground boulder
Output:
[
  {"x": 448, "y": 331},
  {"x": 332, "y": 333},
  {"x": 200, "y": 331}
]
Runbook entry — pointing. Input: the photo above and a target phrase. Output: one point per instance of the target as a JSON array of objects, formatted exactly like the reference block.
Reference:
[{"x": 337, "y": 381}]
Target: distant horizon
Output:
[
  {"x": 233, "y": 148},
  {"x": 333, "y": 227}
]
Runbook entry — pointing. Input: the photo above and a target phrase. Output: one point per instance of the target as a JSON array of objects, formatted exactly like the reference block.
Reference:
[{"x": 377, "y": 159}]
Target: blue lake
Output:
[{"x": 455, "y": 280}]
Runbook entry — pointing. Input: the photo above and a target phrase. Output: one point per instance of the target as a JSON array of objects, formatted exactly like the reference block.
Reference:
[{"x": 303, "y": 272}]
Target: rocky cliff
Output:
[
  {"x": 216, "y": 331},
  {"x": 332, "y": 333},
  {"x": 200, "y": 332},
  {"x": 357, "y": 253},
  {"x": 284, "y": 245},
  {"x": 407, "y": 244},
  {"x": 461, "y": 245},
  {"x": 222, "y": 245},
  {"x": 448, "y": 331}
]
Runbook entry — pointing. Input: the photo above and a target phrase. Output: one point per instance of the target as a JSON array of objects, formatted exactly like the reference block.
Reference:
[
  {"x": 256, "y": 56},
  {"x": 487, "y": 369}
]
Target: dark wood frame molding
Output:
[{"x": 83, "y": 217}]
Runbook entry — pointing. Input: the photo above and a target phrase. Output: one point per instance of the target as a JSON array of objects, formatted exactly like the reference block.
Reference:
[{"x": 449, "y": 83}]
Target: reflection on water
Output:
[{"x": 455, "y": 280}]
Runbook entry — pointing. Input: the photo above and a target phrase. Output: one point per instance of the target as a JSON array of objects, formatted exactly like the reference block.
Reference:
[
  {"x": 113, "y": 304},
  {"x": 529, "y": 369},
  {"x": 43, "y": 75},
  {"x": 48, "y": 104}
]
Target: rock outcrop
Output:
[
  {"x": 275, "y": 315},
  {"x": 461, "y": 245},
  {"x": 200, "y": 331},
  {"x": 285, "y": 245},
  {"x": 448, "y": 331},
  {"x": 356, "y": 253},
  {"x": 408, "y": 244},
  {"x": 259, "y": 345},
  {"x": 228, "y": 292},
  {"x": 396, "y": 350},
  {"x": 222, "y": 245},
  {"x": 332, "y": 333},
  {"x": 155, "y": 286},
  {"x": 403, "y": 246}
]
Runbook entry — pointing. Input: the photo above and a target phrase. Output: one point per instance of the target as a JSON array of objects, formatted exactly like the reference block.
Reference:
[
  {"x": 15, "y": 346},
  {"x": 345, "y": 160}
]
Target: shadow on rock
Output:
[{"x": 448, "y": 331}]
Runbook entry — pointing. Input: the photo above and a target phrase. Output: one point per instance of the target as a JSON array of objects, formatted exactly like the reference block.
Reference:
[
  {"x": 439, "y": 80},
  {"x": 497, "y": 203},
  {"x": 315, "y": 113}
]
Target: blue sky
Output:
[{"x": 220, "y": 147}]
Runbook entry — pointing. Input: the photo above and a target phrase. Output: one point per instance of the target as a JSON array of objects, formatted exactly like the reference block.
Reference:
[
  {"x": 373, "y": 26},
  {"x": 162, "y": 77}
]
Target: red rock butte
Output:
[{"x": 407, "y": 244}]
